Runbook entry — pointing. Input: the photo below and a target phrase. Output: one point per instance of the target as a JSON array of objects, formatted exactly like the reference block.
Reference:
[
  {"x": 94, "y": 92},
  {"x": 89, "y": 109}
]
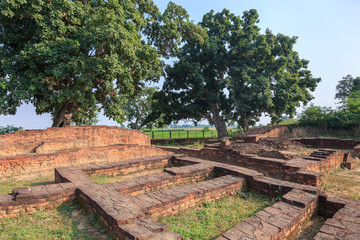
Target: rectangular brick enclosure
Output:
[
  {"x": 158, "y": 183},
  {"x": 60, "y": 139},
  {"x": 29, "y": 153}
]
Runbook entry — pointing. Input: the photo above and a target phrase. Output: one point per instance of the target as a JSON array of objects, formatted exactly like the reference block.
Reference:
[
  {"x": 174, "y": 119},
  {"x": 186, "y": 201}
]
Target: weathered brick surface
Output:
[
  {"x": 275, "y": 132},
  {"x": 126, "y": 206},
  {"x": 130, "y": 208},
  {"x": 326, "y": 142},
  {"x": 32, "y": 165},
  {"x": 308, "y": 170},
  {"x": 357, "y": 151},
  {"x": 345, "y": 222},
  {"x": 277, "y": 221},
  {"x": 162, "y": 180},
  {"x": 58, "y": 139},
  {"x": 30, "y": 200}
]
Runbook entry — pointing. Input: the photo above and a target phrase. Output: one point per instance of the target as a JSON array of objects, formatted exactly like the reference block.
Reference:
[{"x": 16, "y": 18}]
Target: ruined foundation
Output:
[{"x": 130, "y": 208}]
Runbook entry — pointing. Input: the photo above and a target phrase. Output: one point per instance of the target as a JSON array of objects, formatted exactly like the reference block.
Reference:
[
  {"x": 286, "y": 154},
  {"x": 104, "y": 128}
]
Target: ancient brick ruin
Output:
[{"x": 130, "y": 208}]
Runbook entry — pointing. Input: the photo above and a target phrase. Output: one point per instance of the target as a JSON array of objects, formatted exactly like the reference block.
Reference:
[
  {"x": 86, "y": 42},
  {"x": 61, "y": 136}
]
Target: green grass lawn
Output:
[
  {"x": 210, "y": 220},
  {"x": 184, "y": 133},
  {"x": 65, "y": 222},
  {"x": 6, "y": 186}
]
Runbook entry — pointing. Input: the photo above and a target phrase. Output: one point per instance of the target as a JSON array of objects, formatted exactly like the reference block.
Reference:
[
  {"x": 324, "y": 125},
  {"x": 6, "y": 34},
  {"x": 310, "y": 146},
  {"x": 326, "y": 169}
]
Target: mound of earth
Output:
[
  {"x": 280, "y": 143},
  {"x": 256, "y": 130},
  {"x": 280, "y": 148}
]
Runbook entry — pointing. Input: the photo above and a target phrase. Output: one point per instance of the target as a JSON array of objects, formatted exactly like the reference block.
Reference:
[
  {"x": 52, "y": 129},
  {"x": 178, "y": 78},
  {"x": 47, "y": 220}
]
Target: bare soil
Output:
[{"x": 310, "y": 228}]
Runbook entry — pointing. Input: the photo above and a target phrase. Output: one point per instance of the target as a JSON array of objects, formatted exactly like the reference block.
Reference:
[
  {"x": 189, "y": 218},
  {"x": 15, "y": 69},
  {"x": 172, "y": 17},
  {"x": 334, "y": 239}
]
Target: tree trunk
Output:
[
  {"x": 64, "y": 114},
  {"x": 219, "y": 122},
  {"x": 245, "y": 123}
]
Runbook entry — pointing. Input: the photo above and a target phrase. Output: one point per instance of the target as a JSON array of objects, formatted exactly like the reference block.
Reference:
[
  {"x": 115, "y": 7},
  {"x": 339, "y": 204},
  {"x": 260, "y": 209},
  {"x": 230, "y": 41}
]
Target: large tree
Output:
[
  {"x": 267, "y": 75},
  {"x": 236, "y": 74},
  {"x": 73, "y": 58}
]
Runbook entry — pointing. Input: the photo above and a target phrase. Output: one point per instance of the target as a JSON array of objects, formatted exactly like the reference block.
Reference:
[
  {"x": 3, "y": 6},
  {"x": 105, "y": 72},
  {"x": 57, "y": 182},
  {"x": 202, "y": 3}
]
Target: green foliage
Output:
[
  {"x": 73, "y": 58},
  {"x": 347, "y": 86},
  {"x": 139, "y": 107},
  {"x": 235, "y": 75},
  {"x": 352, "y": 103},
  {"x": 10, "y": 129},
  {"x": 314, "y": 115},
  {"x": 347, "y": 117}
]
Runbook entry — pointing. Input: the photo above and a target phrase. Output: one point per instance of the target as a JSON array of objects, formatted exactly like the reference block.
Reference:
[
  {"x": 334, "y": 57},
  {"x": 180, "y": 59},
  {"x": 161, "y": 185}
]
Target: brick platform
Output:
[
  {"x": 278, "y": 221},
  {"x": 60, "y": 139},
  {"x": 128, "y": 207},
  {"x": 308, "y": 170}
]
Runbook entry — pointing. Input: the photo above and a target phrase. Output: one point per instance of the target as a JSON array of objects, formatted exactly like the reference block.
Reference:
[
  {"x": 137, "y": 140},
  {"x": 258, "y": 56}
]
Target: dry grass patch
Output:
[
  {"x": 298, "y": 152},
  {"x": 344, "y": 183},
  {"x": 310, "y": 228},
  {"x": 102, "y": 178}
]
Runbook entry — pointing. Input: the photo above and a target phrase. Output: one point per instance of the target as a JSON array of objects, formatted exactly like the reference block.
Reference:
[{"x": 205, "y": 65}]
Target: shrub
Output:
[{"x": 10, "y": 129}]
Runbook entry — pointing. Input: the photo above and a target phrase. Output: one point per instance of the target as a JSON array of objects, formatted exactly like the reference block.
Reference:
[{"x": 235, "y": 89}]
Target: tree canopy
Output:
[
  {"x": 347, "y": 86},
  {"x": 74, "y": 58},
  {"x": 237, "y": 74},
  {"x": 139, "y": 109}
]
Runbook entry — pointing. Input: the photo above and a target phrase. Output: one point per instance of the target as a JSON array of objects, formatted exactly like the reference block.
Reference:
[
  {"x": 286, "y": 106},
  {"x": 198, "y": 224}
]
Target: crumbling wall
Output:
[
  {"x": 67, "y": 138},
  {"x": 34, "y": 164}
]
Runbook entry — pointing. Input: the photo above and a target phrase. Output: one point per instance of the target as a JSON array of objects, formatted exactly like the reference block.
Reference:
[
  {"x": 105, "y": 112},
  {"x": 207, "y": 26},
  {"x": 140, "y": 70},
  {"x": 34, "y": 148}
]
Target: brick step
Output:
[
  {"x": 121, "y": 165},
  {"x": 319, "y": 155},
  {"x": 158, "y": 181},
  {"x": 148, "y": 228},
  {"x": 173, "y": 200},
  {"x": 189, "y": 169},
  {"x": 313, "y": 159},
  {"x": 345, "y": 224}
]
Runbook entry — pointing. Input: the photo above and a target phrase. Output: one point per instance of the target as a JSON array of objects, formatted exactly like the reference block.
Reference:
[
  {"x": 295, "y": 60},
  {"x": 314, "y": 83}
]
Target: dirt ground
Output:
[{"x": 281, "y": 148}]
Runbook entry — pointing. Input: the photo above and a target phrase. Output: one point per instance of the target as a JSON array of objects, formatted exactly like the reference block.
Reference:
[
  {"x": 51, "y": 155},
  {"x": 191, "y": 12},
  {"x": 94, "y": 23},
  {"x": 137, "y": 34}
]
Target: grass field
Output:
[
  {"x": 211, "y": 219},
  {"x": 344, "y": 183},
  {"x": 66, "y": 222},
  {"x": 184, "y": 133},
  {"x": 6, "y": 186}
]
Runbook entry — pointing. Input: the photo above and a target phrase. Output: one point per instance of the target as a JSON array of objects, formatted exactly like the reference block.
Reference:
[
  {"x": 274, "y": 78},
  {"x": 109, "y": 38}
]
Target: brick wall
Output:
[
  {"x": 275, "y": 132},
  {"x": 57, "y": 139},
  {"x": 34, "y": 164},
  {"x": 39, "y": 198},
  {"x": 324, "y": 142},
  {"x": 306, "y": 171},
  {"x": 357, "y": 151}
]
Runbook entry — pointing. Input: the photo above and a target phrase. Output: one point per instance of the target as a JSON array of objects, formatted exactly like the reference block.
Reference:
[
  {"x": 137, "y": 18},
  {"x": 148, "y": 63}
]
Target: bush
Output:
[
  {"x": 344, "y": 118},
  {"x": 10, "y": 129}
]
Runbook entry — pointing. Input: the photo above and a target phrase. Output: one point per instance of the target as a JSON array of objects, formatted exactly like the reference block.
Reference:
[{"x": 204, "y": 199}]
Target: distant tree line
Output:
[{"x": 347, "y": 116}]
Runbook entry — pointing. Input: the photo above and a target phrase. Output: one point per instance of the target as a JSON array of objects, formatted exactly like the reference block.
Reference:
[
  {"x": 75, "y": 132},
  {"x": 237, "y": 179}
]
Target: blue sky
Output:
[{"x": 328, "y": 36}]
